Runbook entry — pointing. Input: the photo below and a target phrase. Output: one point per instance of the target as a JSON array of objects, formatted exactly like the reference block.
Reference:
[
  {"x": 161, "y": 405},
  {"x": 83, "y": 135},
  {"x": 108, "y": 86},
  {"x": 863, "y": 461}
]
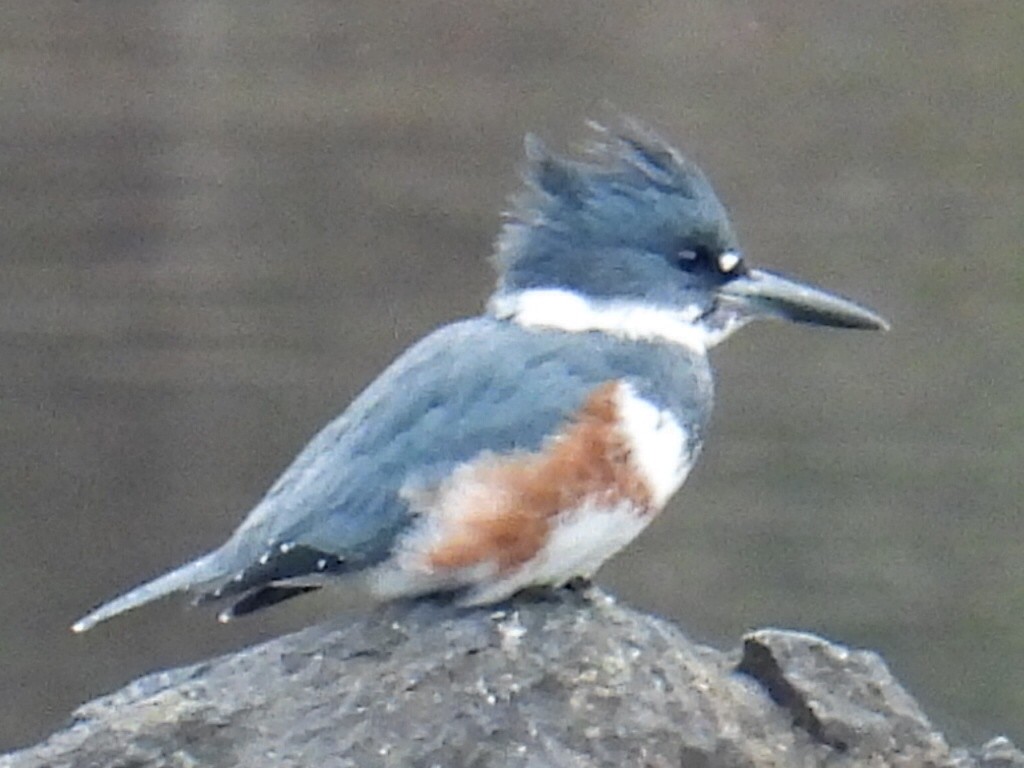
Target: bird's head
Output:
[{"x": 634, "y": 241}]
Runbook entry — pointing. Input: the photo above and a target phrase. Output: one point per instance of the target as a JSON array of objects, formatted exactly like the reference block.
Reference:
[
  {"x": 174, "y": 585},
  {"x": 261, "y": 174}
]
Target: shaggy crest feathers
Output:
[{"x": 631, "y": 189}]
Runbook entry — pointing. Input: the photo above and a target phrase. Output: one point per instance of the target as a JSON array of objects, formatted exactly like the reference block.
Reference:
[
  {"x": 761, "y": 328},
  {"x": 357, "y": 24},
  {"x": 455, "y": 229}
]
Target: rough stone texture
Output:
[{"x": 568, "y": 679}]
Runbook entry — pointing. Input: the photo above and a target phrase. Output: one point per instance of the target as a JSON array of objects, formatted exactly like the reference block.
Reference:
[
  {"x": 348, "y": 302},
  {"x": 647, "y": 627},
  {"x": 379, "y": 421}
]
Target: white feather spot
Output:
[{"x": 729, "y": 260}]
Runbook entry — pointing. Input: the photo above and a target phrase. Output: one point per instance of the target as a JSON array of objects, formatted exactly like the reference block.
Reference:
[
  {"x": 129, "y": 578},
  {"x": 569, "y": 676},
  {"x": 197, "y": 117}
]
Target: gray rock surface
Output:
[{"x": 567, "y": 679}]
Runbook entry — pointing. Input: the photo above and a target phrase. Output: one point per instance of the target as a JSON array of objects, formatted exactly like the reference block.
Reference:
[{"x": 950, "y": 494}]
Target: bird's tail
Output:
[{"x": 203, "y": 570}]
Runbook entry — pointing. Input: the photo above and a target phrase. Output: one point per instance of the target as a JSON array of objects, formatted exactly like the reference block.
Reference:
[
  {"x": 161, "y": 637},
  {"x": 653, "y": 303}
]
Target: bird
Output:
[{"x": 523, "y": 447}]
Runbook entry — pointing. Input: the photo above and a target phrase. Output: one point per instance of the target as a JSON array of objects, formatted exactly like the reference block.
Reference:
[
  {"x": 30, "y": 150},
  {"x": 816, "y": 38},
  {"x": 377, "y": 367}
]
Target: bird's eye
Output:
[
  {"x": 729, "y": 262},
  {"x": 700, "y": 258}
]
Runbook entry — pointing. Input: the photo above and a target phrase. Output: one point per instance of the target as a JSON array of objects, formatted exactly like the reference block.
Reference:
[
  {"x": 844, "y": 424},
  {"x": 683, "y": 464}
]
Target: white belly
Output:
[{"x": 579, "y": 544}]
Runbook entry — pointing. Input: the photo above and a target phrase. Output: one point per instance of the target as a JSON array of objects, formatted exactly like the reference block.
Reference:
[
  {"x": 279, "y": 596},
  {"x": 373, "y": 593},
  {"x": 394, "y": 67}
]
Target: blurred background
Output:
[{"x": 221, "y": 220}]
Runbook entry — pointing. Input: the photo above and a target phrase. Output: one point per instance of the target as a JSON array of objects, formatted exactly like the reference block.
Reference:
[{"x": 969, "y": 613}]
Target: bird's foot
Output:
[{"x": 579, "y": 585}]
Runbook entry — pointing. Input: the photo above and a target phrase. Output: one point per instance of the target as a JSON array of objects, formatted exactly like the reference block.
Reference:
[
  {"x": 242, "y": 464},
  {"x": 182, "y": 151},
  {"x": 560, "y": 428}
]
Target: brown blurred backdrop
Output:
[{"x": 220, "y": 220}]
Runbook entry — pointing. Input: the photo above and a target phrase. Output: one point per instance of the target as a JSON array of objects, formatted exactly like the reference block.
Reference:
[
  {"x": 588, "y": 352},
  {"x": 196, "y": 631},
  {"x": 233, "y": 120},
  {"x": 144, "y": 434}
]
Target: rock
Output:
[{"x": 567, "y": 679}]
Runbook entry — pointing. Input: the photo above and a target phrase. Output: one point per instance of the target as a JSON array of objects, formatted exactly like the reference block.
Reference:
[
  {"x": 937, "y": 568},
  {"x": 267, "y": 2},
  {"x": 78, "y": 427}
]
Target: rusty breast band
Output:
[{"x": 502, "y": 509}]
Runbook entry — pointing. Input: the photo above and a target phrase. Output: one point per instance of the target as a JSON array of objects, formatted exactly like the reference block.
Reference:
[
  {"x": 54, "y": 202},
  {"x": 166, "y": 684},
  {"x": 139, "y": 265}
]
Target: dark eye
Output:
[
  {"x": 698, "y": 257},
  {"x": 726, "y": 263}
]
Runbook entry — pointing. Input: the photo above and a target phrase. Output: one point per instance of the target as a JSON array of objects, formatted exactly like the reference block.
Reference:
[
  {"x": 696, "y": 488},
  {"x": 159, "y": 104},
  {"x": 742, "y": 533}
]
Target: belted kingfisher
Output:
[{"x": 526, "y": 446}]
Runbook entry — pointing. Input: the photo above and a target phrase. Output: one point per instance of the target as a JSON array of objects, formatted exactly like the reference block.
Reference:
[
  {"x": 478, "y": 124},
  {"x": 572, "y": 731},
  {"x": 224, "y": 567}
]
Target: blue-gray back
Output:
[{"x": 473, "y": 386}]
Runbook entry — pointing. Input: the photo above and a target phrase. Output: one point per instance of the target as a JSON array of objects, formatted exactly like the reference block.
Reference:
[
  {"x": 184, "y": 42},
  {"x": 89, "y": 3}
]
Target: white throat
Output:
[{"x": 564, "y": 310}]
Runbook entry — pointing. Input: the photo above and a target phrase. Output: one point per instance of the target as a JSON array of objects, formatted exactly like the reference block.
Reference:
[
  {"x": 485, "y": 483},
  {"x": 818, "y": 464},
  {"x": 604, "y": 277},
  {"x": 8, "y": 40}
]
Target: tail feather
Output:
[
  {"x": 198, "y": 572},
  {"x": 263, "y": 598}
]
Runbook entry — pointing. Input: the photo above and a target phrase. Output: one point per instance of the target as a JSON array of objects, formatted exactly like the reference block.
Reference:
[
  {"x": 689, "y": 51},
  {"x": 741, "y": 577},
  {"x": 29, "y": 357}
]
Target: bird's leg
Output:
[{"x": 579, "y": 584}]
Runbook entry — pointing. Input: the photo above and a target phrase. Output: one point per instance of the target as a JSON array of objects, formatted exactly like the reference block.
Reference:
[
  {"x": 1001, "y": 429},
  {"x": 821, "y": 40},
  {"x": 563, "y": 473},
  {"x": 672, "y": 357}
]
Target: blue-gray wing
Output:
[{"x": 474, "y": 386}]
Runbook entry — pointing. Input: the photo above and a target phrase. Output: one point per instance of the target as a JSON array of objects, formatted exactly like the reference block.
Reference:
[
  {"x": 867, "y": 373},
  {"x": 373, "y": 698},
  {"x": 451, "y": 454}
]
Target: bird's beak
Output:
[{"x": 763, "y": 293}]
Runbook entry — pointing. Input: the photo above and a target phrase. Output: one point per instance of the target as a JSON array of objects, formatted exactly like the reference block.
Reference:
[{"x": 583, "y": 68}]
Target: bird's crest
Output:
[
  {"x": 631, "y": 153},
  {"x": 628, "y": 183}
]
